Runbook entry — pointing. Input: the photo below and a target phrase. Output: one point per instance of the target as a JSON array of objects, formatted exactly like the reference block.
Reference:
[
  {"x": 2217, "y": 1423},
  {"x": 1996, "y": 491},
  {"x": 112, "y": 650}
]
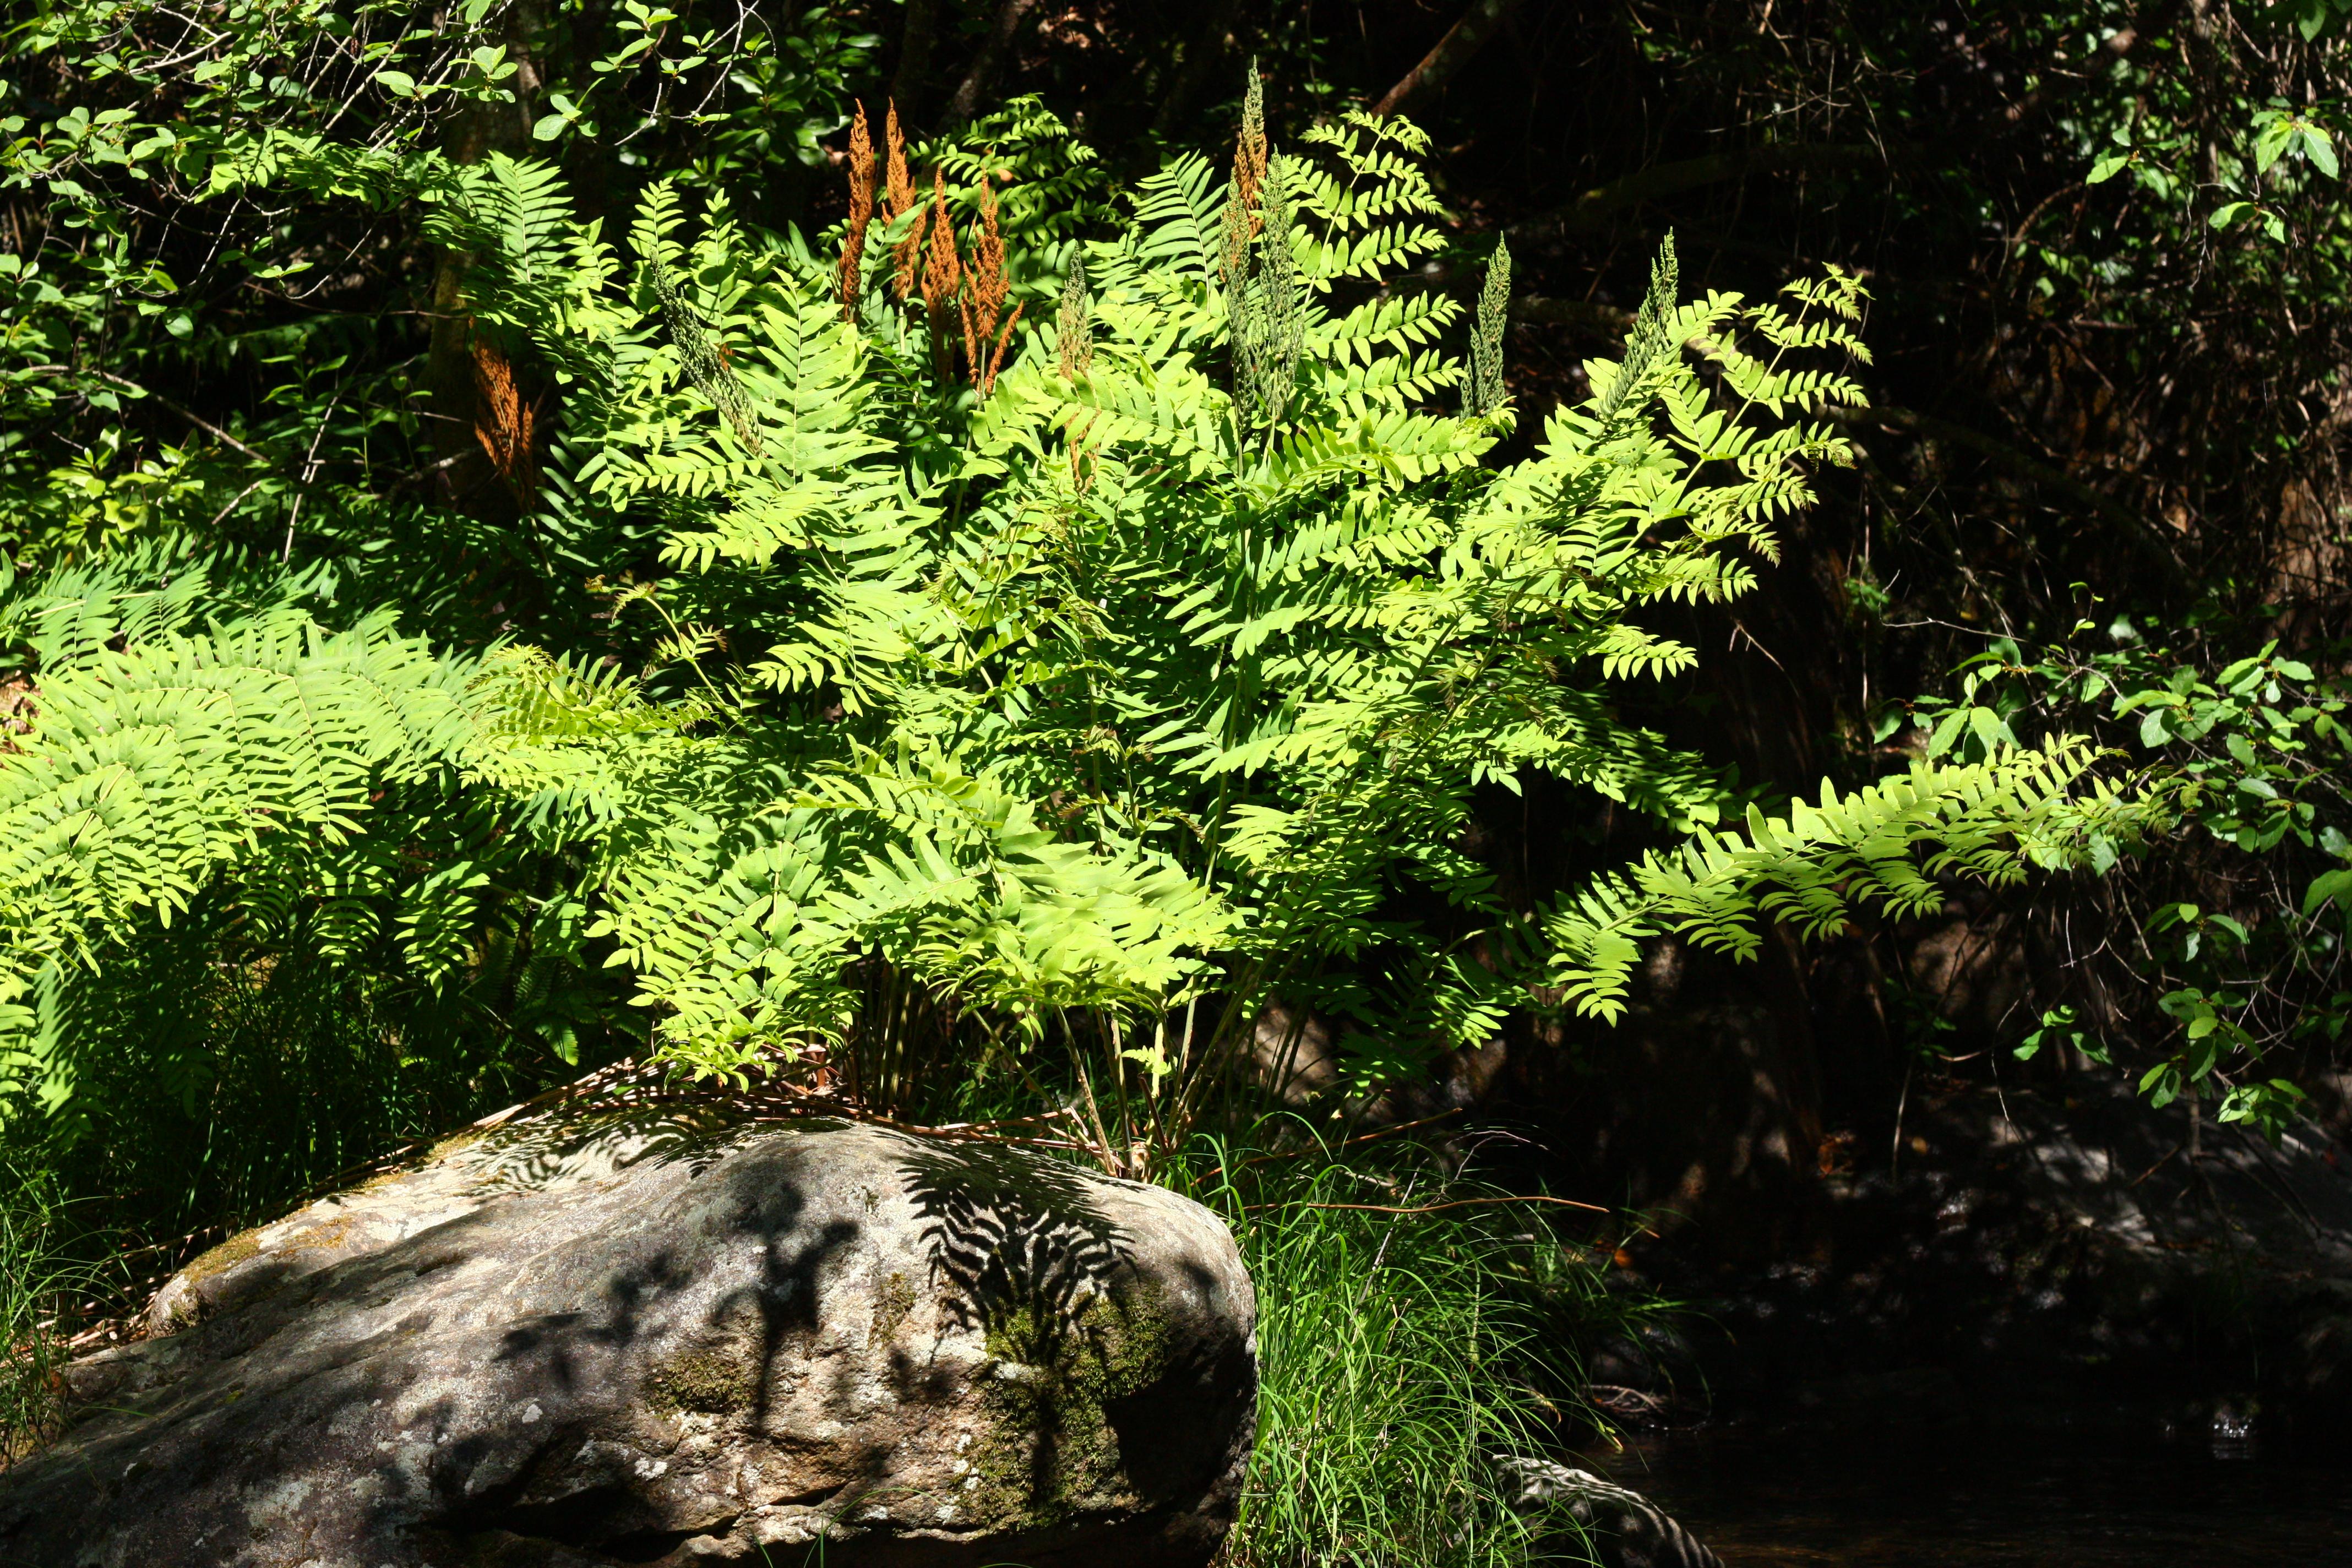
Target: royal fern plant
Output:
[{"x": 1092, "y": 630}]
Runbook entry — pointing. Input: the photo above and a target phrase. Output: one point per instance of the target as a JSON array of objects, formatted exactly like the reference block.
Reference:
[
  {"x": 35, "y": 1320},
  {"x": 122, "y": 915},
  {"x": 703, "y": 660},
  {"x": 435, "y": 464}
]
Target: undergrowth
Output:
[
  {"x": 1405, "y": 1348},
  {"x": 41, "y": 1283},
  {"x": 225, "y": 1090}
]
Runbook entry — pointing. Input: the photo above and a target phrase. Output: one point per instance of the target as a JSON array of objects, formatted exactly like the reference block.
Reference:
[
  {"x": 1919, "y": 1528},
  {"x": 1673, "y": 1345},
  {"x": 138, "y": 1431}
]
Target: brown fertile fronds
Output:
[
  {"x": 987, "y": 382},
  {"x": 942, "y": 270},
  {"x": 502, "y": 421},
  {"x": 861, "y": 213},
  {"x": 1243, "y": 217},
  {"x": 900, "y": 189},
  {"x": 984, "y": 294}
]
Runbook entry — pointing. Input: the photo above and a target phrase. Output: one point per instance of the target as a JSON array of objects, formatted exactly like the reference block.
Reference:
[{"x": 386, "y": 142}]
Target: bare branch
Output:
[
  {"x": 1462, "y": 40},
  {"x": 965, "y": 105}
]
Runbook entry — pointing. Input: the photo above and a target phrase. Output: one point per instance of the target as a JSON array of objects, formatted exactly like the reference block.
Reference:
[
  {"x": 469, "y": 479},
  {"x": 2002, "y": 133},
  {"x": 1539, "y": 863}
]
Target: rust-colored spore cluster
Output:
[
  {"x": 964, "y": 287},
  {"x": 902, "y": 201},
  {"x": 502, "y": 421},
  {"x": 1243, "y": 217},
  {"x": 984, "y": 298},
  {"x": 861, "y": 210}
]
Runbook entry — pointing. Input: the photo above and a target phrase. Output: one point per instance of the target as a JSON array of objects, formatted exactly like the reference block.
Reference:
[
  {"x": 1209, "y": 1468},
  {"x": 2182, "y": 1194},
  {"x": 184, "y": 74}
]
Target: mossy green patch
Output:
[
  {"x": 719, "y": 1377},
  {"x": 384, "y": 1179},
  {"x": 893, "y": 1299},
  {"x": 247, "y": 1243},
  {"x": 1049, "y": 1448},
  {"x": 226, "y": 1256},
  {"x": 320, "y": 1237},
  {"x": 466, "y": 1138}
]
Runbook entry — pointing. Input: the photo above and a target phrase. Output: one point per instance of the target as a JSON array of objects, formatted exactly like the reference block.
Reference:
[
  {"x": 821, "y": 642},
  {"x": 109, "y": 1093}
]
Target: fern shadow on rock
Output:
[
  {"x": 1015, "y": 1240},
  {"x": 531, "y": 1156},
  {"x": 1022, "y": 1254}
]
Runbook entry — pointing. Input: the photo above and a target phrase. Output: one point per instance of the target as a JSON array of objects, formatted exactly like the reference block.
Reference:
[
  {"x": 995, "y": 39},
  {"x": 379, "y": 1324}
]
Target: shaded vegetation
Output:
[{"x": 1006, "y": 561}]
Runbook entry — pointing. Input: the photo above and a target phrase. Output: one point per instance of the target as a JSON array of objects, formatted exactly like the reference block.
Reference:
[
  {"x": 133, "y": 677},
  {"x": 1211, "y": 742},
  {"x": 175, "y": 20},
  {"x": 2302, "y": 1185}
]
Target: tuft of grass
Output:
[
  {"x": 1401, "y": 1356},
  {"x": 41, "y": 1282},
  {"x": 215, "y": 1093}
]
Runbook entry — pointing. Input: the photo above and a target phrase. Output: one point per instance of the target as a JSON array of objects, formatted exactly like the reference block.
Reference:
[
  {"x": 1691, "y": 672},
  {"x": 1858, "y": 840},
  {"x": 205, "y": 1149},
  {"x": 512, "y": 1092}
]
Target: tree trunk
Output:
[
  {"x": 468, "y": 479},
  {"x": 914, "y": 59},
  {"x": 1462, "y": 40},
  {"x": 964, "y": 107},
  {"x": 1206, "y": 54}
]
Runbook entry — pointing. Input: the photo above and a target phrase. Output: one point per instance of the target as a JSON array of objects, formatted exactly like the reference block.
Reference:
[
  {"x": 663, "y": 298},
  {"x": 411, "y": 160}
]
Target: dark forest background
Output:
[{"x": 2101, "y": 487}]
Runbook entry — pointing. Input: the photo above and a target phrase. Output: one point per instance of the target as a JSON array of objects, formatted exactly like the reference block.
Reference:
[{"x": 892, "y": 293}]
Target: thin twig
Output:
[
  {"x": 1388, "y": 1132},
  {"x": 191, "y": 416},
  {"x": 1430, "y": 1209},
  {"x": 233, "y": 503}
]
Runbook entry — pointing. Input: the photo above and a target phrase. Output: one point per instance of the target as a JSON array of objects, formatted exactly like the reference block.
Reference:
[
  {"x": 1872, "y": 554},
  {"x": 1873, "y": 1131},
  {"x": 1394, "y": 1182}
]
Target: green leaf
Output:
[
  {"x": 2328, "y": 887},
  {"x": 549, "y": 127},
  {"x": 2107, "y": 168},
  {"x": 1948, "y": 731},
  {"x": 2274, "y": 134},
  {"x": 1991, "y": 728},
  {"x": 400, "y": 84},
  {"x": 2318, "y": 147}
]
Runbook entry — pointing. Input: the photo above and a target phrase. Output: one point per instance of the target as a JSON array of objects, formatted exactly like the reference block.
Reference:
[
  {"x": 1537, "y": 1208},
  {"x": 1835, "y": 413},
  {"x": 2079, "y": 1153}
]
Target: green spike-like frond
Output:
[{"x": 1486, "y": 393}]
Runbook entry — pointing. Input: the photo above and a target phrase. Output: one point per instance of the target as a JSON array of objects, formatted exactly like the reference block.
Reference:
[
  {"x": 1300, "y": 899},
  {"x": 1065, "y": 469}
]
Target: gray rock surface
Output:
[
  {"x": 665, "y": 1334},
  {"x": 1620, "y": 1528}
]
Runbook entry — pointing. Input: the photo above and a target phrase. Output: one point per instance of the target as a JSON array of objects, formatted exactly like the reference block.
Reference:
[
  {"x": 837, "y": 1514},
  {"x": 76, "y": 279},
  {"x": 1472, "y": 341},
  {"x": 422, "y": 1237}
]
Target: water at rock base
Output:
[{"x": 2082, "y": 1489}]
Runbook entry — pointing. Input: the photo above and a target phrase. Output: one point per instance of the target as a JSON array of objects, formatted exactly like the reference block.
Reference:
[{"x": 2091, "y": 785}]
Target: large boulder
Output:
[{"x": 668, "y": 1335}]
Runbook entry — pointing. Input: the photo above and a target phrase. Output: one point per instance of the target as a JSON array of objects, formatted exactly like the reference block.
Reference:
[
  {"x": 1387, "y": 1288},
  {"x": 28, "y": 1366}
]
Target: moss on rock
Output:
[
  {"x": 1050, "y": 1449},
  {"x": 223, "y": 1258},
  {"x": 716, "y": 1378},
  {"x": 893, "y": 1299}
]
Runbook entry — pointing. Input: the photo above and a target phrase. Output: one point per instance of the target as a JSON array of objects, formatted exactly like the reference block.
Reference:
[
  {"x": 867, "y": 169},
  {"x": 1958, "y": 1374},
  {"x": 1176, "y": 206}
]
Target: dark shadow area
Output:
[
  {"x": 1170, "y": 1433},
  {"x": 1956, "y": 1478}
]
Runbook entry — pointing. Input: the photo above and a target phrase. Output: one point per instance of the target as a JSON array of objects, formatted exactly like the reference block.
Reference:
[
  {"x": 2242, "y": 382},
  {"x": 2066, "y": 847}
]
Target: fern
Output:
[
  {"x": 1887, "y": 845},
  {"x": 1485, "y": 391},
  {"x": 1103, "y": 702}
]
